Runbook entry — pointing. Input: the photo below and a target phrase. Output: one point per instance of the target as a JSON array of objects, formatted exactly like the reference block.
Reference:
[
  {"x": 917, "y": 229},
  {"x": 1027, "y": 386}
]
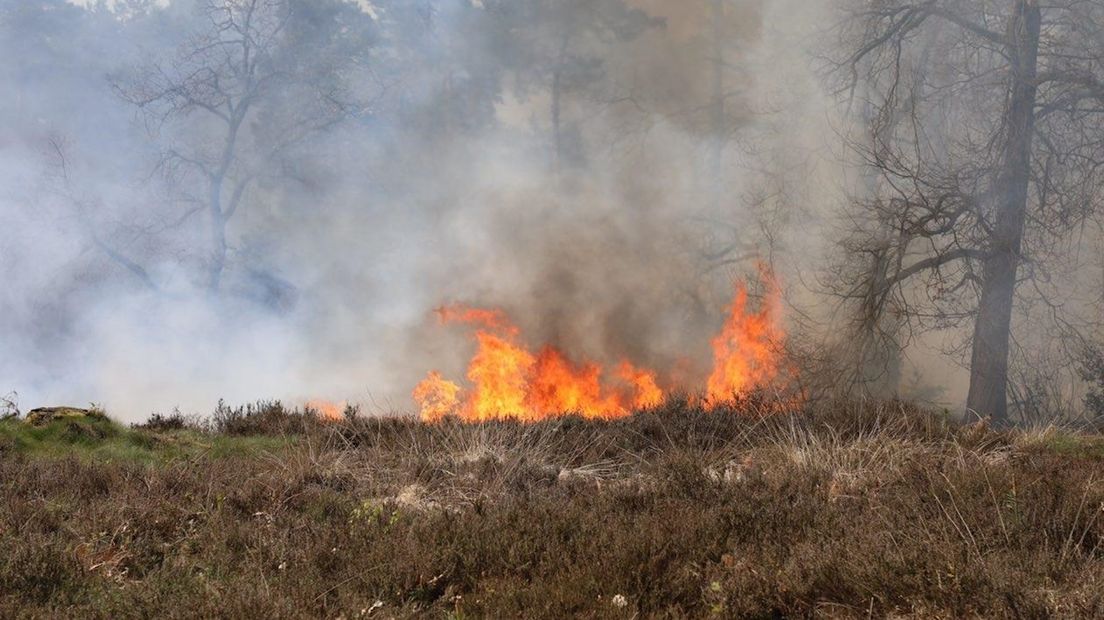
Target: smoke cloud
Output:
[{"x": 611, "y": 226}]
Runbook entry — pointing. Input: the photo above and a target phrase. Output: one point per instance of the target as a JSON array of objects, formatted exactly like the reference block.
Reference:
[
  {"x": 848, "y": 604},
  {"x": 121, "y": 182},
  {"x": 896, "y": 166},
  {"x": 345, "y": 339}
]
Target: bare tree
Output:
[
  {"x": 83, "y": 208},
  {"x": 240, "y": 94},
  {"x": 872, "y": 347},
  {"x": 997, "y": 159},
  {"x": 560, "y": 47}
]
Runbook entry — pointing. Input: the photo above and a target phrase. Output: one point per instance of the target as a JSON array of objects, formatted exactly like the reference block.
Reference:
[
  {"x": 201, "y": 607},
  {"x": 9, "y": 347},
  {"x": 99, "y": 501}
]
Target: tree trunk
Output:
[
  {"x": 219, "y": 215},
  {"x": 989, "y": 362},
  {"x": 218, "y": 238}
]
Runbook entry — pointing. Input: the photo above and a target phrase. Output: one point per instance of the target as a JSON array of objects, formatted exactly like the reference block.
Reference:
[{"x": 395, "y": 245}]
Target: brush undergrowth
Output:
[{"x": 843, "y": 510}]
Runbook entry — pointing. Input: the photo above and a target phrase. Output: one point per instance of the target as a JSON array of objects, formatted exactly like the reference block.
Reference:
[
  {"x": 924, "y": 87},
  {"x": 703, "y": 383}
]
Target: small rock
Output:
[{"x": 45, "y": 415}]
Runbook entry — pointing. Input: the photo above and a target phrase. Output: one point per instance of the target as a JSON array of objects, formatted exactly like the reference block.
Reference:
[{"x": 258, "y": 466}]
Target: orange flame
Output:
[
  {"x": 648, "y": 392},
  {"x": 327, "y": 411},
  {"x": 490, "y": 319},
  {"x": 510, "y": 382},
  {"x": 558, "y": 385},
  {"x": 745, "y": 353},
  {"x": 438, "y": 397}
]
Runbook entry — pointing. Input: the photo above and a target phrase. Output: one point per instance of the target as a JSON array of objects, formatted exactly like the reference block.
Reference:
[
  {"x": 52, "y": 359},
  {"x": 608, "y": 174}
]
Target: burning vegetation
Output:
[
  {"x": 508, "y": 380},
  {"x": 327, "y": 410}
]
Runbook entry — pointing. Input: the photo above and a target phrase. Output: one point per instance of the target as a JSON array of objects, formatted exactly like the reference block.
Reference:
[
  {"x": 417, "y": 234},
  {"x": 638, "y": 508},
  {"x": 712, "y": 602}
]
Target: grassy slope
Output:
[
  {"x": 842, "y": 511},
  {"x": 103, "y": 440}
]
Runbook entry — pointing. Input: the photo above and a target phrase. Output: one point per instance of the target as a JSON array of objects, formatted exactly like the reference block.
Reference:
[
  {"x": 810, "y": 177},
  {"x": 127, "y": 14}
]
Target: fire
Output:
[
  {"x": 745, "y": 353},
  {"x": 325, "y": 410},
  {"x": 648, "y": 392},
  {"x": 510, "y": 381},
  {"x": 490, "y": 319},
  {"x": 438, "y": 397},
  {"x": 499, "y": 371},
  {"x": 558, "y": 385}
]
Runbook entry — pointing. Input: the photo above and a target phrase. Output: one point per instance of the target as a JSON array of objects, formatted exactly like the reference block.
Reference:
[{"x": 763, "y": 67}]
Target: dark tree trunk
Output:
[
  {"x": 989, "y": 362},
  {"x": 218, "y": 238},
  {"x": 220, "y": 215}
]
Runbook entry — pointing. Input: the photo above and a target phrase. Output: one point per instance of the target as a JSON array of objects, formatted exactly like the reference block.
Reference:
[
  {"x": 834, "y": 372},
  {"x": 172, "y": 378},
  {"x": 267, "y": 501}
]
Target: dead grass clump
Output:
[
  {"x": 175, "y": 421},
  {"x": 263, "y": 418}
]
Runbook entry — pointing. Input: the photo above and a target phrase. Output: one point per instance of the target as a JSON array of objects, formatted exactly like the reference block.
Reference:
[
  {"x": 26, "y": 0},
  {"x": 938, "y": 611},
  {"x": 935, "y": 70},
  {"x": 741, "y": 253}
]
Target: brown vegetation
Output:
[{"x": 843, "y": 511}]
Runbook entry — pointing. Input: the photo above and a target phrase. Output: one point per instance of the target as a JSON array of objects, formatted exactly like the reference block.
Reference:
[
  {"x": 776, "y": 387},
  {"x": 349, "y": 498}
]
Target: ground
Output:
[{"x": 839, "y": 510}]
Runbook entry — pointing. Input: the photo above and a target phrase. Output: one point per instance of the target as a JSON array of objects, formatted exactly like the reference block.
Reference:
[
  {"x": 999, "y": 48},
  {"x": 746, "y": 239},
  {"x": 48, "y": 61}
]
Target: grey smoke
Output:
[{"x": 336, "y": 268}]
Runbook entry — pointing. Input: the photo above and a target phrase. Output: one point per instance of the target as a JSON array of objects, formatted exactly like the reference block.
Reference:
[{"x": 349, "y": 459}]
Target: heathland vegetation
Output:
[{"x": 841, "y": 510}]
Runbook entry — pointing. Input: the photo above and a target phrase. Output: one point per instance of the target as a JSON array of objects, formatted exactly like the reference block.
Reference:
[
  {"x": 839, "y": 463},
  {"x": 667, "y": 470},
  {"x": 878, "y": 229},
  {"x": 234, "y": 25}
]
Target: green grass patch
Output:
[
  {"x": 1075, "y": 445},
  {"x": 102, "y": 439},
  {"x": 221, "y": 446}
]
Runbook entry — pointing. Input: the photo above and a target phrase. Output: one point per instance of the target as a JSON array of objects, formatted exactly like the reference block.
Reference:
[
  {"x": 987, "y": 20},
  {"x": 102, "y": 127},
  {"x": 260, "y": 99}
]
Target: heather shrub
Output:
[{"x": 841, "y": 510}]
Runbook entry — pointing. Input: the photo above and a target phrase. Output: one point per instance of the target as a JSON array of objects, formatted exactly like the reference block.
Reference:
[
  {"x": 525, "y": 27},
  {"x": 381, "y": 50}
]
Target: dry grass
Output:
[{"x": 841, "y": 511}]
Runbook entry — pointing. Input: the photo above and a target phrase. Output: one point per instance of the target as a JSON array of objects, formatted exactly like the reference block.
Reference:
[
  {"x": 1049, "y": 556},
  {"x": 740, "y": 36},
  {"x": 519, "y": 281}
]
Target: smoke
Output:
[{"x": 608, "y": 232}]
